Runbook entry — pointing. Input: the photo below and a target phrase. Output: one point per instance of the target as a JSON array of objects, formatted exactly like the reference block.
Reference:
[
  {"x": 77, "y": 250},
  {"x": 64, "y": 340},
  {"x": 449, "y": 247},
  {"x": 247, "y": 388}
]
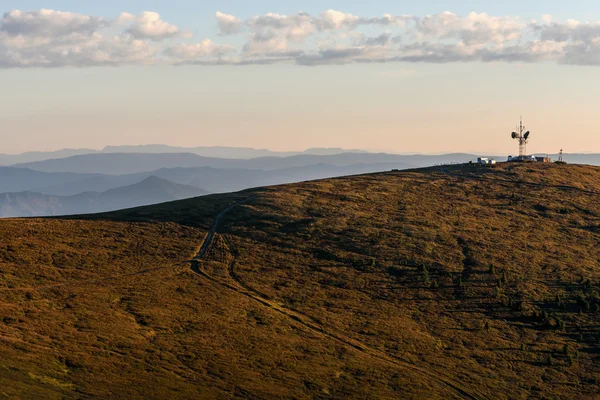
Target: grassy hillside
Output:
[{"x": 457, "y": 283}]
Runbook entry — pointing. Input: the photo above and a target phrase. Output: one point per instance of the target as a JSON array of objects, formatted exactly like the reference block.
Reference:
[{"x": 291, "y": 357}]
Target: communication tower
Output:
[
  {"x": 560, "y": 158},
  {"x": 523, "y": 137}
]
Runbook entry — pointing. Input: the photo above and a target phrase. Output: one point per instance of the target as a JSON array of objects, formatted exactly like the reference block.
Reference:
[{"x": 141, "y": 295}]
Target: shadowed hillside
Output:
[{"x": 441, "y": 283}]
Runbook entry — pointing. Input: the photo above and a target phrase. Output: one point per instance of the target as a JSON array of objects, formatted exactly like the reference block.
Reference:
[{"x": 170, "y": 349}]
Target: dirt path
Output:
[
  {"x": 208, "y": 239},
  {"x": 239, "y": 286}
]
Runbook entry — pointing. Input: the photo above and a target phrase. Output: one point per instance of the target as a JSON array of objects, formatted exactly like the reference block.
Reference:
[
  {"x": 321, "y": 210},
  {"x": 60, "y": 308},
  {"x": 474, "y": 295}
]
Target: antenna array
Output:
[{"x": 523, "y": 137}]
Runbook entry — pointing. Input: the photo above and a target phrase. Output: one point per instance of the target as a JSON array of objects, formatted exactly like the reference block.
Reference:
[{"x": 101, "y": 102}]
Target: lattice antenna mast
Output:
[
  {"x": 523, "y": 137},
  {"x": 522, "y": 140}
]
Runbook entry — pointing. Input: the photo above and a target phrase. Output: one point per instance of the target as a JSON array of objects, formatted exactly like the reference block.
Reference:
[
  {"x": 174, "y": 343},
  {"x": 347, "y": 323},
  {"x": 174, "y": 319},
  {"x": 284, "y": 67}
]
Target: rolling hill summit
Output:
[{"x": 453, "y": 282}]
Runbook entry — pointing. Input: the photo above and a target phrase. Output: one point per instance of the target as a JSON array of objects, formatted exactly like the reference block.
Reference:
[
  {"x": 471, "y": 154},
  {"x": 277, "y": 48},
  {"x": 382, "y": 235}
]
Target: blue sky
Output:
[
  {"x": 454, "y": 100},
  {"x": 189, "y": 12}
]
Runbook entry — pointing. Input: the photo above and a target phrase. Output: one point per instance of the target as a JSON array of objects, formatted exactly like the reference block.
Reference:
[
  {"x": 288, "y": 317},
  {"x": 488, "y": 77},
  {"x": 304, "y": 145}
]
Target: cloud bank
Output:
[{"x": 53, "y": 39}]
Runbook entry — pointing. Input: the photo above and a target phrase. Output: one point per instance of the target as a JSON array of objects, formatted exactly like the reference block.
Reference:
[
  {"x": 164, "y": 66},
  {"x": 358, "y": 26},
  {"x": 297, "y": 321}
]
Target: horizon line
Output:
[{"x": 343, "y": 150}]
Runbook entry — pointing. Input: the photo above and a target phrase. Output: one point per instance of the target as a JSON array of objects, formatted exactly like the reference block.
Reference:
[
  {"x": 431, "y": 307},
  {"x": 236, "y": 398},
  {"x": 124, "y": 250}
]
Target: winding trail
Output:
[{"x": 242, "y": 288}]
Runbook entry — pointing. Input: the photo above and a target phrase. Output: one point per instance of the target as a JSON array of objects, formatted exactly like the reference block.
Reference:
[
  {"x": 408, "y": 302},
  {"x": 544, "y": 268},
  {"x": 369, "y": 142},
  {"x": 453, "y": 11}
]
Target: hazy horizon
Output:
[{"x": 291, "y": 150}]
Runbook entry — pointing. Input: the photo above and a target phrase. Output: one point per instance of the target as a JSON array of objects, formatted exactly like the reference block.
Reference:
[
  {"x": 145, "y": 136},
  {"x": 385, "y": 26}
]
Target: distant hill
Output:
[
  {"x": 32, "y": 156},
  {"x": 99, "y": 183},
  {"x": 149, "y": 191},
  {"x": 123, "y": 163},
  {"x": 207, "y": 151},
  {"x": 128, "y": 163},
  {"x": 224, "y": 151},
  {"x": 454, "y": 282},
  {"x": 13, "y": 179},
  {"x": 244, "y": 153},
  {"x": 152, "y": 190},
  {"x": 216, "y": 180}
]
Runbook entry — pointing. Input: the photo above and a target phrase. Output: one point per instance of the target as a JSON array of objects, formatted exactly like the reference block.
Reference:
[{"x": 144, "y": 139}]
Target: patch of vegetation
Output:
[{"x": 454, "y": 258}]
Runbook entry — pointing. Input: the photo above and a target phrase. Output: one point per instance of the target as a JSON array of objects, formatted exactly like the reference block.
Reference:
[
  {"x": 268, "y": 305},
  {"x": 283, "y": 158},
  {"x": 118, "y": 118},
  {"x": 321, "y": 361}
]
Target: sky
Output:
[{"x": 398, "y": 76}]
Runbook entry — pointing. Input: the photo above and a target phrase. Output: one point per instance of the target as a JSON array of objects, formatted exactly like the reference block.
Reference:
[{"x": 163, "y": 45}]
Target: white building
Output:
[{"x": 486, "y": 161}]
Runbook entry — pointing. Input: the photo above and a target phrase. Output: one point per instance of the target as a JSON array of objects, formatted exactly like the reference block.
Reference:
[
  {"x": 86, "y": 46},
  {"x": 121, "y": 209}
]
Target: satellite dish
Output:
[
  {"x": 514, "y": 135},
  {"x": 527, "y": 135}
]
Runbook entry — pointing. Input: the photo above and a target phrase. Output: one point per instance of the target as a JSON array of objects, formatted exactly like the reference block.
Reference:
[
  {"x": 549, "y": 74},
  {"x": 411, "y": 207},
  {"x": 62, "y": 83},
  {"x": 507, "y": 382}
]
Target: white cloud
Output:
[
  {"x": 571, "y": 31},
  {"x": 345, "y": 55},
  {"x": 125, "y": 19},
  {"x": 75, "y": 51},
  {"x": 384, "y": 39},
  {"x": 148, "y": 25},
  {"x": 264, "y": 44},
  {"x": 49, "y": 38},
  {"x": 193, "y": 52},
  {"x": 387, "y": 20},
  {"x": 48, "y": 23},
  {"x": 228, "y": 24},
  {"x": 332, "y": 19},
  {"x": 291, "y": 27},
  {"x": 473, "y": 29}
]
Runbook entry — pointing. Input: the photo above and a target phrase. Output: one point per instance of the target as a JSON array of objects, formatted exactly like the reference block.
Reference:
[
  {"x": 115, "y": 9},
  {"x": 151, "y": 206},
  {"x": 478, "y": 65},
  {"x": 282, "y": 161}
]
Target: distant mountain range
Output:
[
  {"x": 32, "y": 156},
  {"x": 26, "y": 192},
  {"x": 215, "y": 180},
  {"x": 243, "y": 153},
  {"x": 87, "y": 181},
  {"x": 13, "y": 179},
  {"x": 224, "y": 151},
  {"x": 129, "y": 163},
  {"x": 151, "y": 190},
  {"x": 214, "y": 151}
]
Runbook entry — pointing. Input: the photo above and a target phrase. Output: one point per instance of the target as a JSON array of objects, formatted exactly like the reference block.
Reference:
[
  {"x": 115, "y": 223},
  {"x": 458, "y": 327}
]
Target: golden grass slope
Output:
[{"x": 464, "y": 283}]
